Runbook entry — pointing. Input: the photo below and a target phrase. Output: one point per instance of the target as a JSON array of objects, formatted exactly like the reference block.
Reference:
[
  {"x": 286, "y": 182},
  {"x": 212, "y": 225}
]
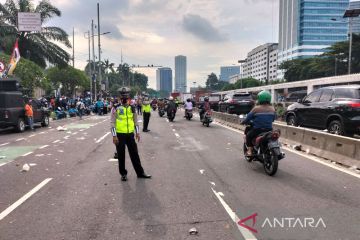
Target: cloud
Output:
[{"x": 202, "y": 28}]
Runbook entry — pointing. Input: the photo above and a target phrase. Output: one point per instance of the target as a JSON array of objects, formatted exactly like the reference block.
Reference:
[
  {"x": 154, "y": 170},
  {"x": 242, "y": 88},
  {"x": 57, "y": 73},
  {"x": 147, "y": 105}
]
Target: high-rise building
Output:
[
  {"x": 261, "y": 63},
  {"x": 356, "y": 21},
  {"x": 227, "y": 72},
  {"x": 180, "y": 74},
  {"x": 308, "y": 27},
  {"x": 164, "y": 79}
]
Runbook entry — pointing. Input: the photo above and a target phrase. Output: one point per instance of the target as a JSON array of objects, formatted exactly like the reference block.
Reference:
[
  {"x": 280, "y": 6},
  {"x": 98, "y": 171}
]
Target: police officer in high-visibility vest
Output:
[
  {"x": 125, "y": 129},
  {"x": 146, "y": 108}
]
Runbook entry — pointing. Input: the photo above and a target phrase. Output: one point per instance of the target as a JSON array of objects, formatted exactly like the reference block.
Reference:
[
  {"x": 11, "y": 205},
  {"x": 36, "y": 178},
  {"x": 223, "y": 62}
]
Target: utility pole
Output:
[
  {"x": 98, "y": 15},
  {"x": 350, "y": 43},
  {"x": 89, "y": 66},
  {"x": 93, "y": 79},
  {"x": 73, "y": 56}
]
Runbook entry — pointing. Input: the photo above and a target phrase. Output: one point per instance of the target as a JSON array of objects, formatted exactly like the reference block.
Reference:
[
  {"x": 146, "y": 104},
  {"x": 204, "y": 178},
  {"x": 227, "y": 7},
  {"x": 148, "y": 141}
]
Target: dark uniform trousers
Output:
[
  {"x": 129, "y": 141},
  {"x": 146, "y": 120}
]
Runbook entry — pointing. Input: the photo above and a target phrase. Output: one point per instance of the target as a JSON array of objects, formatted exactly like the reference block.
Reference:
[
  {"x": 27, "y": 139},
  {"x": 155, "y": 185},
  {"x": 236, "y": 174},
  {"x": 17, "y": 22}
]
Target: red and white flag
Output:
[{"x": 15, "y": 58}]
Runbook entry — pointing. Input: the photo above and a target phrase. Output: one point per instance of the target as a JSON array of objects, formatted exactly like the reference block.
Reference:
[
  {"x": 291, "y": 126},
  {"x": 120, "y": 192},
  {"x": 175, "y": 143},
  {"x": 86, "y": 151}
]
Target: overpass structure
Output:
[{"x": 309, "y": 85}]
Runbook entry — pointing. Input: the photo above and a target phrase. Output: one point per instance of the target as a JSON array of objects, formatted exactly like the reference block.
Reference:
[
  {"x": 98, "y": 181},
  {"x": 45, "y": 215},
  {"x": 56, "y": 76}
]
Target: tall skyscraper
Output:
[
  {"x": 356, "y": 21},
  {"x": 227, "y": 71},
  {"x": 164, "y": 79},
  {"x": 180, "y": 74},
  {"x": 307, "y": 27}
]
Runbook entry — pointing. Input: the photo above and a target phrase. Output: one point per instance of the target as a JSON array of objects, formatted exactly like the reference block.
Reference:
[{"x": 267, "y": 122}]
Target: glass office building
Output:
[
  {"x": 180, "y": 74},
  {"x": 356, "y": 21},
  {"x": 228, "y": 71},
  {"x": 164, "y": 79},
  {"x": 308, "y": 27}
]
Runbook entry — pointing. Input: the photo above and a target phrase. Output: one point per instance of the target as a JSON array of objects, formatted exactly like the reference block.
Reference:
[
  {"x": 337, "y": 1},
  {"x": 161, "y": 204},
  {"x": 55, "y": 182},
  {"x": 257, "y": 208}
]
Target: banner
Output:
[{"x": 15, "y": 58}]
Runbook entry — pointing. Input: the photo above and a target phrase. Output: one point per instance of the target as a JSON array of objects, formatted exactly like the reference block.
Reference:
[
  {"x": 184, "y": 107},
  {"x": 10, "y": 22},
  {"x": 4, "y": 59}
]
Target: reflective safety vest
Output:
[
  {"x": 146, "y": 108},
  {"x": 125, "y": 120}
]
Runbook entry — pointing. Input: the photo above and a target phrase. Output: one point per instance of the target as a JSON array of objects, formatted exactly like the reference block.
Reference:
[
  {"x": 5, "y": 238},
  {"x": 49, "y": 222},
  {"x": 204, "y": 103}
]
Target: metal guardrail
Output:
[{"x": 336, "y": 148}]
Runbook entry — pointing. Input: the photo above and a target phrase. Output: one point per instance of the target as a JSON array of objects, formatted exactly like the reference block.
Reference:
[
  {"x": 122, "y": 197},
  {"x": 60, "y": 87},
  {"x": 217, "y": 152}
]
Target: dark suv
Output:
[
  {"x": 336, "y": 109},
  {"x": 237, "y": 103},
  {"x": 12, "y": 112}
]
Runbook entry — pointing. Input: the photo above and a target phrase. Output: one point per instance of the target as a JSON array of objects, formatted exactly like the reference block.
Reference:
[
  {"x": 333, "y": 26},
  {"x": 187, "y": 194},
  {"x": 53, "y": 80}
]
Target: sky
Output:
[{"x": 211, "y": 33}]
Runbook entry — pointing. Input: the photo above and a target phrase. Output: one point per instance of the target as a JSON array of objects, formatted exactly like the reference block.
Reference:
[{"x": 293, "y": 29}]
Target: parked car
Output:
[
  {"x": 336, "y": 109},
  {"x": 294, "y": 96},
  {"x": 12, "y": 112},
  {"x": 237, "y": 103}
]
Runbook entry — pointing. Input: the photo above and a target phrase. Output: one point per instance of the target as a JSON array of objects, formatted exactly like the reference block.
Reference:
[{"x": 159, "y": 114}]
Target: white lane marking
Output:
[
  {"x": 23, "y": 199},
  {"x": 32, "y": 135},
  {"x": 82, "y": 130},
  {"x": 27, "y": 154},
  {"x": 20, "y": 139},
  {"x": 4, "y": 144},
  {"x": 2, "y": 164},
  {"x": 113, "y": 160},
  {"x": 212, "y": 183},
  {"x": 66, "y": 137},
  {"x": 177, "y": 135},
  {"x": 56, "y": 141},
  {"x": 45, "y": 146},
  {"x": 102, "y": 138},
  {"x": 246, "y": 233},
  {"x": 312, "y": 158},
  {"x": 202, "y": 171}
]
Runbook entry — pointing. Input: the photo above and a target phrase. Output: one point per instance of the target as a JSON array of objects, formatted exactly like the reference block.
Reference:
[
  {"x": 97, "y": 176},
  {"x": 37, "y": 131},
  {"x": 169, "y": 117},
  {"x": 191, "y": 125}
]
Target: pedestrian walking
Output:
[
  {"x": 124, "y": 129},
  {"x": 146, "y": 109},
  {"x": 139, "y": 105},
  {"x": 29, "y": 114}
]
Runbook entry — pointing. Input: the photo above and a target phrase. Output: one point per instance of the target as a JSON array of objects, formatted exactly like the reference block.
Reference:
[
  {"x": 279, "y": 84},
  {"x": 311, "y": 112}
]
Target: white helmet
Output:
[{"x": 171, "y": 98}]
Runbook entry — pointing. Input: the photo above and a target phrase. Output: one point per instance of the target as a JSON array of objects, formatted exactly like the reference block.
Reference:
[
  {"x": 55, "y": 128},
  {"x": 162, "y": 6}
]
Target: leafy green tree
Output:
[
  {"x": 38, "y": 47},
  {"x": 212, "y": 81},
  {"x": 69, "y": 78}
]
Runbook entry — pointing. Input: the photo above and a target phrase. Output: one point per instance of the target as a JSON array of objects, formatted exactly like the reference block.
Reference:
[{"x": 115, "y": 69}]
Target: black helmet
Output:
[
  {"x": 206, "y": 99},
  {"x": 124, "y": 92},
  {"x": 188, "y": 100}
]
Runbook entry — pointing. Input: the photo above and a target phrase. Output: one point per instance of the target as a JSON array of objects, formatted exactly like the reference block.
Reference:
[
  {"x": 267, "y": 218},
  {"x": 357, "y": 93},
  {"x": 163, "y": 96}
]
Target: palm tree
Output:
[
  {"x": 108, "y": 66},
  {"x": 38, "y": 47}
]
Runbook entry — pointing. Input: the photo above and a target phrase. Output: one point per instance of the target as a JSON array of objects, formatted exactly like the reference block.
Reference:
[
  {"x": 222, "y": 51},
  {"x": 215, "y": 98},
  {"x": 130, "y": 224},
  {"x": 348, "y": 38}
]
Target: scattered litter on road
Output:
[
  {"x": 81, "y": 138},
  {"x": 193, "y": 231},
  {"x": 212, "y": 183},
  {"x": 25, "y": 168},
  {"x": 202, "y": 171},
  {"x": 49, "y": 154},
  {"x": 297, "y": 147},
  {"x": 105, "y": 184},
  {"x": 229, "y": 144},
  {"x": 39, "y": 155},
  {"x": 62, "y": 142},
  {"x": 69, "y": 132},
  {"x": 60, "y": 151},
  {"x": 58, "y": 163},
  {"x": 32, "y": 164},
  {"x": 307, "y": 151},
  {"x": 60, "y": 128}
]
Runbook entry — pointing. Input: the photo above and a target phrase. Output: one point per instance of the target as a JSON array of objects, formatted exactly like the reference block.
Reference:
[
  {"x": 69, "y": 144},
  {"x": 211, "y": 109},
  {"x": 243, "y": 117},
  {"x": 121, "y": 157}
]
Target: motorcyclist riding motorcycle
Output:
[
  {"x": 171, "y": 106},
  {"x": 204, "y": 108},
  {"x": 262, "y": 117},
  {"x": 188, "y": 106}
]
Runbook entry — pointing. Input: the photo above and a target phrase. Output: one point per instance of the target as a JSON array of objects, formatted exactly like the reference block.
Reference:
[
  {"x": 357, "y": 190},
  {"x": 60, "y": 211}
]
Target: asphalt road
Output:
[{"x": 200, "y": 180}]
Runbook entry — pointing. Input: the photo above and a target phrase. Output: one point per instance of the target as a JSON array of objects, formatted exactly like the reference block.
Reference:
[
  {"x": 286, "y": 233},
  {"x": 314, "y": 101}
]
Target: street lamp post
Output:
[
  {"x": 351, "y": 13},
  {"x": 241, "y": 75}
]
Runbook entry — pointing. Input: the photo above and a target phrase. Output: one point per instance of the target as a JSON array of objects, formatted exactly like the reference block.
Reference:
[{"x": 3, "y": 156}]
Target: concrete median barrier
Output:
[{"x": 336, "y": 148}]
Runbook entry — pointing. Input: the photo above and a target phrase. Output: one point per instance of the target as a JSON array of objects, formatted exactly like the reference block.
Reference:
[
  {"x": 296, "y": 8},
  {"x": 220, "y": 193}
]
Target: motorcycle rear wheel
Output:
[{"x": 271, "y": 163}]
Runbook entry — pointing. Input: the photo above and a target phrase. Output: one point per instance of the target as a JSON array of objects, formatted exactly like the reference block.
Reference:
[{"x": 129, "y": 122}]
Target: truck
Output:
[{"x": 185, "y": 96}]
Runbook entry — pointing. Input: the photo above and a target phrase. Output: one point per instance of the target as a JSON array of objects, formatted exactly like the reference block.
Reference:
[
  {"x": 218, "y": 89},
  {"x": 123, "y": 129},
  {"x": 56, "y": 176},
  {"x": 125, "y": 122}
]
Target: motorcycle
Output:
[
  {"x": 267, "y": 150},
  {"x": 188, "y": 114},
  {"x": 207, "y": 119},
  {"x": 171, "y": 115},
  {"x": 154, "y": 107},
  {"x": 161, "y": 112}
]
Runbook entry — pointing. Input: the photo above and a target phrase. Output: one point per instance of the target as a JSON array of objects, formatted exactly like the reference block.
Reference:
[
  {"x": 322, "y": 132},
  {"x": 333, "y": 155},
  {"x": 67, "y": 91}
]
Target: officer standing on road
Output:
[
  {"x": 124, "y": 129},
  {"x": 146, "y": 108}
]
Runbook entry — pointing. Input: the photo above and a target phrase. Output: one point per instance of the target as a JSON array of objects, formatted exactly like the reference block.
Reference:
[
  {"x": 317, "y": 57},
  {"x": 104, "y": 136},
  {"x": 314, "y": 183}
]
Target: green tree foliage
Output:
[
  {"x": 212, "y": 81},
  {"x": 243, "y": 83},
  {"x": 324, "y": 65},
  {"x": 38, "y": 47},
  {"x": 121, "y": 76},
  {"x": 29, "y": 74},
  {"x": 69, "y": 78}
]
